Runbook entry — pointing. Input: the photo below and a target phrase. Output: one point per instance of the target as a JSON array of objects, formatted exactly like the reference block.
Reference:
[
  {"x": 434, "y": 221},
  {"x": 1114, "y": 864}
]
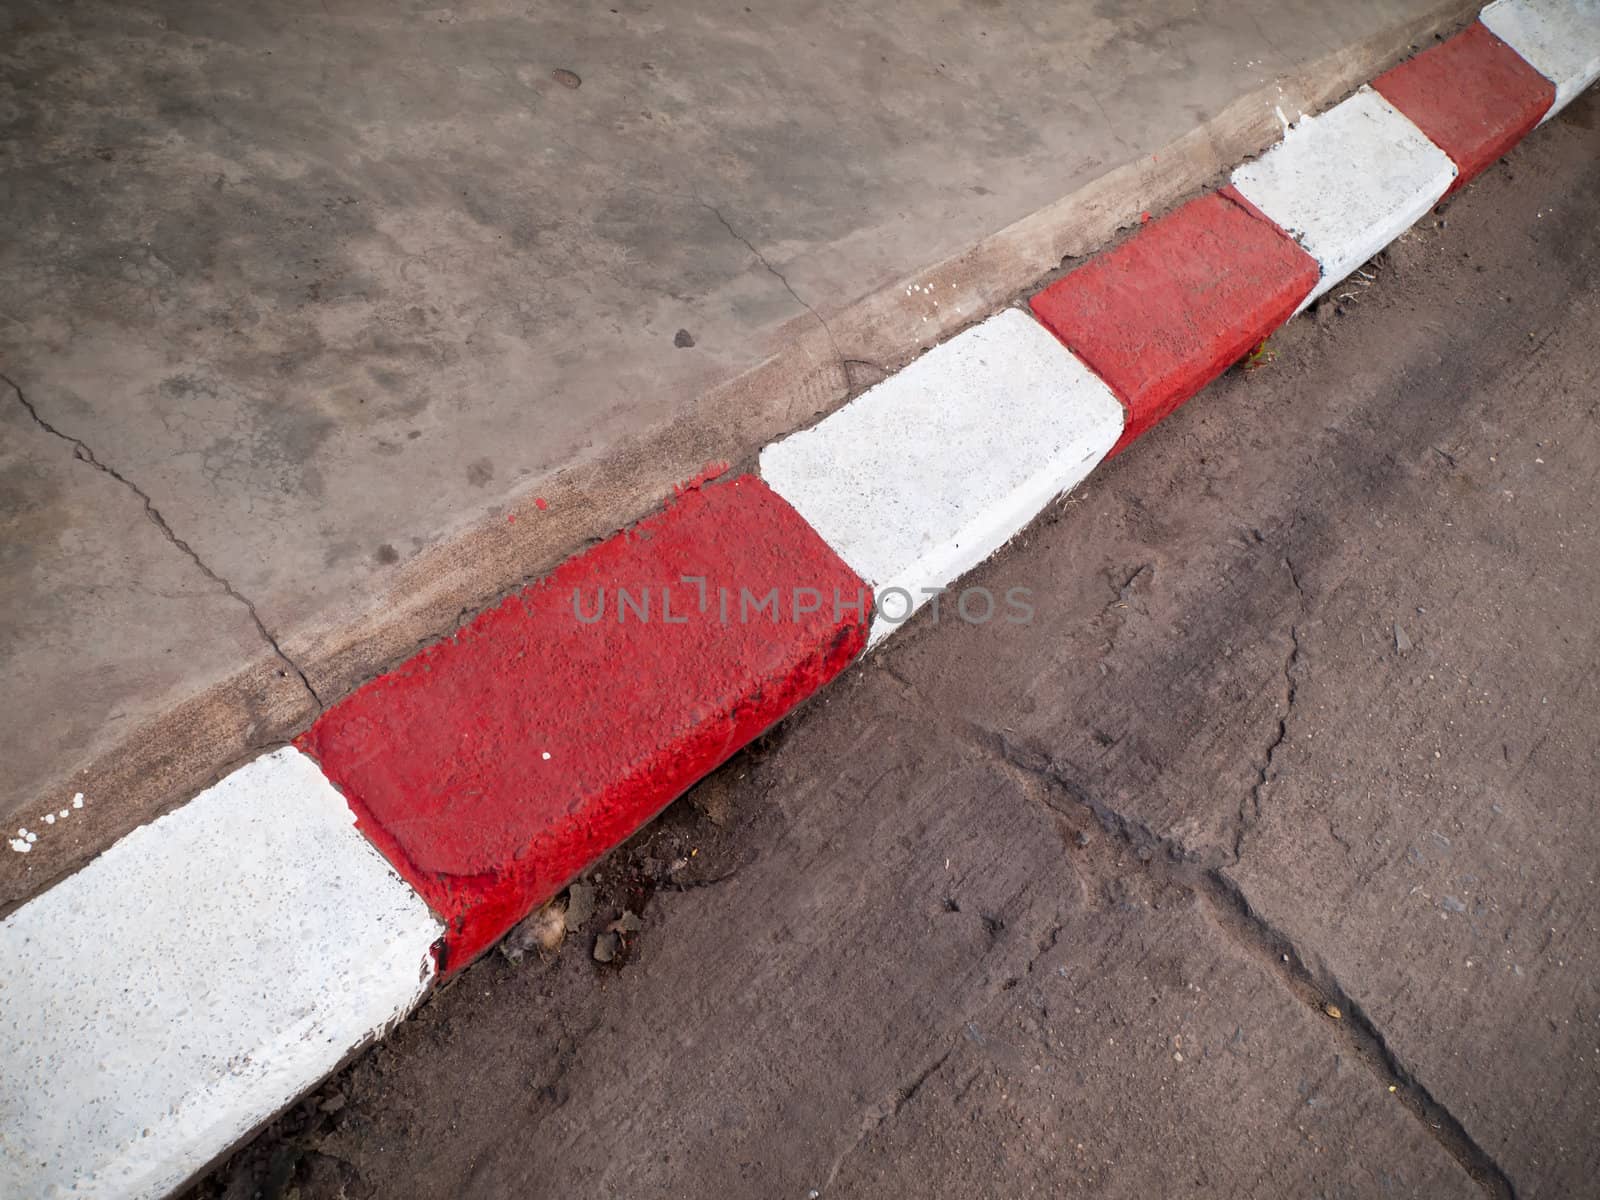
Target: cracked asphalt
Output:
[{"x": 1261, "y": 863}]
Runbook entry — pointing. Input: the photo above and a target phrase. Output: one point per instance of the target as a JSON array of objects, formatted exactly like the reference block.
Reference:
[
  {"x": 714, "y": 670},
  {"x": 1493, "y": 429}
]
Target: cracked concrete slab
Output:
[
  {"x": 1330, "y": 635},
  {"x": 1446, "y": 873},
  {"x": 345, "y": 288},
  {"x": 80, "y": 553},
  {"x": 1058, "y": 1089},
  {"x": 85, "y": 454}
]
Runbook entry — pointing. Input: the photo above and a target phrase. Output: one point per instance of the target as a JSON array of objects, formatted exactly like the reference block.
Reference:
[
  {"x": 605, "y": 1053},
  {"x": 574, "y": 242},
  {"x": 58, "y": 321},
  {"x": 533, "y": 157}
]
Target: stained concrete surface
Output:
[
  {"x": 1261, "y": 863},
  {"x": 335, "y": 285}
]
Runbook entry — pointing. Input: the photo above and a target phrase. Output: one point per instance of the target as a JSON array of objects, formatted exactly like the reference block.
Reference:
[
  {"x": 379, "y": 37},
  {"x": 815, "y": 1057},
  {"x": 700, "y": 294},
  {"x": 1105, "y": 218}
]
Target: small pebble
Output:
[{"x": 580, "y": 904}]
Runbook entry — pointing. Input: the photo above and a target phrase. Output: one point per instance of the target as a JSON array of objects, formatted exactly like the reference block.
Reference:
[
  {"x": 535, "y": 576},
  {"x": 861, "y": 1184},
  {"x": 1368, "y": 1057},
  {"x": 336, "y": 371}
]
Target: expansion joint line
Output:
[{"x": 1301, "y": 973}]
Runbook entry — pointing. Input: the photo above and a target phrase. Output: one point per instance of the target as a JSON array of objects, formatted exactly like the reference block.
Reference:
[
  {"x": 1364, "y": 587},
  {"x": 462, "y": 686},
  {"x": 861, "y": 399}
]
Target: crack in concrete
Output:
[
  {"x": 1311, "y": 981},
  {"x": 1112, "y": 614},
  {"x": 881, "y": 1114},
  {"x": 844, "y": 367},
  {"x": 1305, "y": 976},
  {"x": 1250, "y": 807},
  {"x": 82, "y": 452},
  {"x": 1127, "y": 828}
]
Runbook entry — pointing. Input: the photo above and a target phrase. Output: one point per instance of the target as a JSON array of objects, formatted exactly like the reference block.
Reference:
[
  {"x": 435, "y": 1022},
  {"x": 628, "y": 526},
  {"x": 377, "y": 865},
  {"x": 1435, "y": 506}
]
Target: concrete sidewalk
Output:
[
  {"x": 364, "y": 316},
  {"x": 1259, "y": 864}
]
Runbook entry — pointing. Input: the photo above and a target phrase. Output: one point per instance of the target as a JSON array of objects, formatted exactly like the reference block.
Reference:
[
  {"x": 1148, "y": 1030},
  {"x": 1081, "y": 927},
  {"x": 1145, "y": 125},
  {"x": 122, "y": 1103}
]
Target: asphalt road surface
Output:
[{"x": 1261, "y": 863}]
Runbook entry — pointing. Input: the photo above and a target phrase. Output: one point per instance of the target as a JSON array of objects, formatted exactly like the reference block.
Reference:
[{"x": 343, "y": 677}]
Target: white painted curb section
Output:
[
  {"x": 194, "y": 979},
  {"x": 1559, "y": 38},
  {"x": 918, "y": 480},
  {"x": 1347, "y": 183}
]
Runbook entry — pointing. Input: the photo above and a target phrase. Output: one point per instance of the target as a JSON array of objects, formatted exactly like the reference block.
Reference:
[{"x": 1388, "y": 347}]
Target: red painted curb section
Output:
[
  {"x": 1473, "y": 96},
  {"x": 492, "y": 768},
  {"x": 1171, "y": 308}
]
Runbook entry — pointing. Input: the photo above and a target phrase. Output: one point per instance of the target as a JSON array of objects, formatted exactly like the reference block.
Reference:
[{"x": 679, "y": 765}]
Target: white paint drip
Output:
[{"x": 25, "y": 840}]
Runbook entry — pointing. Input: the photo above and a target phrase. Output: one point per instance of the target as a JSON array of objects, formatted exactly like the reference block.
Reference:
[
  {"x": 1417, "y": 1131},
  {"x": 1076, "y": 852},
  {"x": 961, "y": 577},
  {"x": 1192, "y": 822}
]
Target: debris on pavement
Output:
[
  {"x": 543, "y": 931},
  {"x": 627, "y": 923},
  {"x": 1260, "y": 356},
  {"x": 580, "y": 905}
]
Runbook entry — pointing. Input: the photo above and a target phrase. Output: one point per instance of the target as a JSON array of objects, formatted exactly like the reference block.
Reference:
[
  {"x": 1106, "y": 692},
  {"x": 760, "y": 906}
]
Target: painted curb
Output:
[
  {"x": 921, "y": 478},
  {"x": 1178, "y": 303},
  {"x": 1559, "y": 38},
  {"x": 1475, "y": 125},
  {"x": 1347, "y": 183},
  {"x": 194, "y": 979},
  {"x": 495, "y": 766},
  {"x": 212, "y": 965}
]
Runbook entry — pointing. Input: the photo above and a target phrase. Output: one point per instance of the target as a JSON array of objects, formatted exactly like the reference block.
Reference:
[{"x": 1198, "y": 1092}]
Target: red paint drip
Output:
[{"x": 711, "y": 471}]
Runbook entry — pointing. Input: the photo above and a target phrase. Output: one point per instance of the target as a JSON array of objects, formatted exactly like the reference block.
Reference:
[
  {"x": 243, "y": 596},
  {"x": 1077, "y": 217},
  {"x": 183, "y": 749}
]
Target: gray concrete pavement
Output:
[
  {"x": 1260, "y": 864},
  {"x": 340, "y": 288}
]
